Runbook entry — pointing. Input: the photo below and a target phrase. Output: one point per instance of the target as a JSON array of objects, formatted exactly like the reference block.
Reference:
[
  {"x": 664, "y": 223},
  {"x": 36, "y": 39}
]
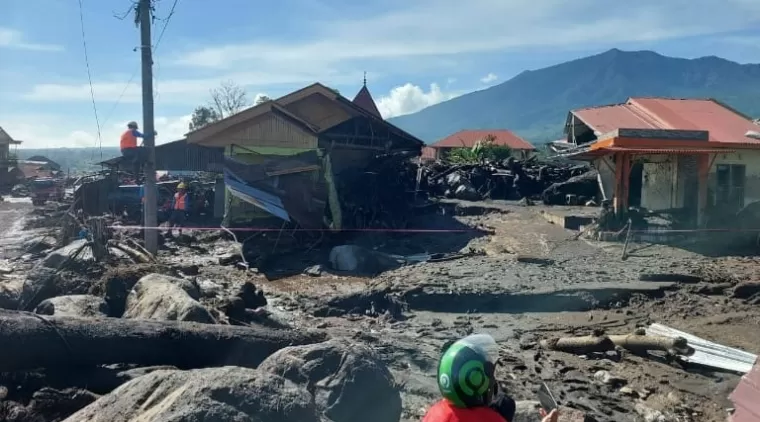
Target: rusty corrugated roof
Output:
[
  {"x": 746, "y": 397},
  {"x": 723, "y": 123},
  {"x": 364, "y": 100},
  {"x": 468, "y": 139}
]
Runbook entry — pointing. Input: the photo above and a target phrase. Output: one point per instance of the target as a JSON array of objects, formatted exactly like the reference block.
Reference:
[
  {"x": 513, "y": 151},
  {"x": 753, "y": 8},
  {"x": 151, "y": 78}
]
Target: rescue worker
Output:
[
  {"x": 468, "y": 385},
  {"x": 129, "y": 148},
  {"x": 132, "y": 152},
  {"x": 180, "y": 207}
]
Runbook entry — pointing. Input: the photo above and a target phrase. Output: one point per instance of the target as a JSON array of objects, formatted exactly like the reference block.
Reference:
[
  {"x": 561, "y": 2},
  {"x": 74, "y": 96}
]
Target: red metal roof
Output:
[
  {"x": 722, "y": 123},
  {"x": 590, "y": 154},
  {"x": 746, "y": 397},
  {"x": 468, "y": 139},
  {"x": 364, "y": 100}
]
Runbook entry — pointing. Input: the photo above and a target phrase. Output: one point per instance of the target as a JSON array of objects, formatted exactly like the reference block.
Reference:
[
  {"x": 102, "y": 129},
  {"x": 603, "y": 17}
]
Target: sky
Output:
[{"x": 416, "y": 53}]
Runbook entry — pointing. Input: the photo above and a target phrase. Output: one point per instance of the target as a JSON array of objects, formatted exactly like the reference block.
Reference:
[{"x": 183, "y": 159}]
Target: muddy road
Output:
[
  {"x": 12, "y": 231},
  {"x": 506, "y": 271},
  {"x": 536, "y": 281}
]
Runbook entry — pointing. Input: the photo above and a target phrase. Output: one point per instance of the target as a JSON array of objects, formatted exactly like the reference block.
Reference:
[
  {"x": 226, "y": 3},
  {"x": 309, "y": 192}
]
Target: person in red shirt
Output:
[{"x": 468, "y": 385}]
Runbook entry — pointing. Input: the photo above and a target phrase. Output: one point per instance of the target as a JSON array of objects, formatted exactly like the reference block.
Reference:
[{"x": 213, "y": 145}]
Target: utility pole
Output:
[{"x": 149, "y": 140}]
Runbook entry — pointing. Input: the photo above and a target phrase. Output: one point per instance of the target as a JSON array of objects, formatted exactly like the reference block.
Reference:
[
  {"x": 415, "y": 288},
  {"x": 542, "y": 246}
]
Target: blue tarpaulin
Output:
[{"x": 264, "y": 200}]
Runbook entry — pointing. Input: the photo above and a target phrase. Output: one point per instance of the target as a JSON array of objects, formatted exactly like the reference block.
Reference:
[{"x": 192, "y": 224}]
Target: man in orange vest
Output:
[
  {"x": 131, "y": 152},
  {"x": 180, "y": 207},
  {"x": 129, "y": 148}
]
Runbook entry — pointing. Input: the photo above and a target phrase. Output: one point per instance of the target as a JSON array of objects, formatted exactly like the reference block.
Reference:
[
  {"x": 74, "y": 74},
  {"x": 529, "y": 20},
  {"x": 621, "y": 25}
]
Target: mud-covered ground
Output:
[
  {"x": 537, "y": 281},
  {"x": 520, "y": 279}
]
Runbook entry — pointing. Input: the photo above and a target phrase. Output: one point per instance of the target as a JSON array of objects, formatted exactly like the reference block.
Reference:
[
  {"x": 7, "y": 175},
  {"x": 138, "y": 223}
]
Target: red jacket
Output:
[{"x": 444, "y": 411}]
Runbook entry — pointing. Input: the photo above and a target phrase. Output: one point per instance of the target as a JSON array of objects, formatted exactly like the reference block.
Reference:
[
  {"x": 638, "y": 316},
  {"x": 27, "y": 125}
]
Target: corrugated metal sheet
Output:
[
  {"x": 746, "y": 397},
  {"x": 708, "y": 353},
  {"x": 723, "y": 123},
  {"x": 468, "y": 139},
  {"x": 181, "y": 156}
]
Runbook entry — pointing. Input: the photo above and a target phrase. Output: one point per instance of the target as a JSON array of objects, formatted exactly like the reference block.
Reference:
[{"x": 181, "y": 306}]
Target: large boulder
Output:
[
  {"x": 41, "y": 283},
  {"x": 86, "y": 306},
  {"x": 348, "y": 381},
  {"x": 166, "y": 298},
  {"x": 358, "y": 260},
  {"x": 10, "y": 293},
  {"x": 210, "y": 394}
]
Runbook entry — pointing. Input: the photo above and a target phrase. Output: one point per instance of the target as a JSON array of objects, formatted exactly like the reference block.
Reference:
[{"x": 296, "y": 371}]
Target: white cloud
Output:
[
  {"x": 410, "y": 98},
  {"x": 10, "y": 38},
  {"x": 491, "y": 77},
  {"x": 172, "y": 91},
  {"x": 58, "y": 132},
  {"x": 418, "y": 34},
  {"x": 424, "y": 28}
]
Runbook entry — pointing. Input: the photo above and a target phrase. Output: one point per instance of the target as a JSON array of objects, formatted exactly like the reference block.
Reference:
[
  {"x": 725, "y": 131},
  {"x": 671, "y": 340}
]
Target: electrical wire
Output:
[
  {"x": 134, "y": 74},
  {"x": 166, "y": 23},
  {"x": 89, "y": 77},
  {"x": 158, "y": 43}
]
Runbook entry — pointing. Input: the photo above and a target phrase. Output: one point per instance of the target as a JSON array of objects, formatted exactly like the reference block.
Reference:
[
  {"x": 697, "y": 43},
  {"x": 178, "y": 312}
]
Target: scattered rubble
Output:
[{"x": 554, "y": 183}]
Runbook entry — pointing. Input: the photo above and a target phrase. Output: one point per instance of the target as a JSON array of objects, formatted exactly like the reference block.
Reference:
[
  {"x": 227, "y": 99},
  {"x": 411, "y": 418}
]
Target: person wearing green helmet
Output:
[{"x": 467, "y": 382}]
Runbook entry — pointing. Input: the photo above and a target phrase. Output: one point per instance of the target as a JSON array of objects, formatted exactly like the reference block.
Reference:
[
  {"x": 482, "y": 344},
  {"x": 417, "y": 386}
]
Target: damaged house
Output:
[
  {"x": 315, "y": 159},
  {"x": 7, "y": 159},
  {"x": 696, "y": 158},
  {"x": 468, "y": 138}
]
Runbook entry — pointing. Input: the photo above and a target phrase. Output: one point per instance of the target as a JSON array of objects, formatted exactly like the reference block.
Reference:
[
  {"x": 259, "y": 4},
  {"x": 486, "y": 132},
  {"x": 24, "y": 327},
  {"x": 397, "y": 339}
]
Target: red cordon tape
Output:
[{"x": 261, "y": 229}]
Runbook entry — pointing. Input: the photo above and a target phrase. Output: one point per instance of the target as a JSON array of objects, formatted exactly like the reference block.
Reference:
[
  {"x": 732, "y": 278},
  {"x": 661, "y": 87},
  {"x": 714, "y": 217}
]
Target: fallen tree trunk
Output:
[
  {"x": 634, "y": 342},
  {"x": 32, "y": 341}
]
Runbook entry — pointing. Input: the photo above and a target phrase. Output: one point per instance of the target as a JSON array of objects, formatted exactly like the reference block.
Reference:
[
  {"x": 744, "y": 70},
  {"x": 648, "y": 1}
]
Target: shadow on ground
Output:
[{"x": 434, "y": 230}]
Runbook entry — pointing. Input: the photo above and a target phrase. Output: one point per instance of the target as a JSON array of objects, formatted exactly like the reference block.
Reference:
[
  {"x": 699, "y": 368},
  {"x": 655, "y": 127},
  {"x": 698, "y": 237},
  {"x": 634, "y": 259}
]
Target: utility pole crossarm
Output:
[{"x": 149, "y": 140}]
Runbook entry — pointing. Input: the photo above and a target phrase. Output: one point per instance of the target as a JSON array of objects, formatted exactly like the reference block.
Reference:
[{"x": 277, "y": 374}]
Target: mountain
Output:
[{"x": 535, "y": 103}]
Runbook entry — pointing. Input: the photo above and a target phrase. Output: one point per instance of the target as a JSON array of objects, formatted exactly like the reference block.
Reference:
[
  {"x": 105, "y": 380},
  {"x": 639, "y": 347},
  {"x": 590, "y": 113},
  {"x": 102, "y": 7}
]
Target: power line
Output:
[
  {"x": 134, "y": 74},
  {"x": 89, "y": 77},
  {"x": 166, "y": 23}
]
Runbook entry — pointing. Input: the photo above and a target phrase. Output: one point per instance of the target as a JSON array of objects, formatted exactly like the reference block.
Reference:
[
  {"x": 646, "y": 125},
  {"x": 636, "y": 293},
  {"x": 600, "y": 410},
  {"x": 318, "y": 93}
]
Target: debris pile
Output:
[
  {"x": 554, "y": 183},
  {"x": 379, "y": 195}
]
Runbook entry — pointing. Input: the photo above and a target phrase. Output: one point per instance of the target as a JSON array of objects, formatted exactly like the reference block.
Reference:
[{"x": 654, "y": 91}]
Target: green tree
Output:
[
  {"x": 484, "y": 150},
  {"x": 262, "y": 99},
  {"x": 202, "y": 116}
]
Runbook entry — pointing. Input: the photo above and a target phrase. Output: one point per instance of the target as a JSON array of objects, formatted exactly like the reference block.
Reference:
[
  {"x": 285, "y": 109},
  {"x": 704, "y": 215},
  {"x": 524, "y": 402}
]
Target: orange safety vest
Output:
[
  {"x": 128, "y": 140},
  {"x": 179, "y": 201}
]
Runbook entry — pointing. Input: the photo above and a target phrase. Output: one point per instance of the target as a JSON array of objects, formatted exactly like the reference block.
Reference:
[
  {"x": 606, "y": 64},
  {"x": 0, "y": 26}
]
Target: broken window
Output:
[{"x": 729, "y": 191}]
